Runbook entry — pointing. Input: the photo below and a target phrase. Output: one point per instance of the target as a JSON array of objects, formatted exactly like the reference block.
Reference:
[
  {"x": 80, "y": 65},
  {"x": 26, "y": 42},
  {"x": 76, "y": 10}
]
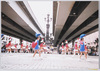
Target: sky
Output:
[{"x": 40, "y": 10}]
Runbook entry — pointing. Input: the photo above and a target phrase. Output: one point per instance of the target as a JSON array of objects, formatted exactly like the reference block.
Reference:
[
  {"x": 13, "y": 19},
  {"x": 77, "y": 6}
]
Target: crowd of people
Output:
[
  {"x": 80, "y": 47},
  {"x": 91, "y": 50},
  {"x": 21, "y": 48}
]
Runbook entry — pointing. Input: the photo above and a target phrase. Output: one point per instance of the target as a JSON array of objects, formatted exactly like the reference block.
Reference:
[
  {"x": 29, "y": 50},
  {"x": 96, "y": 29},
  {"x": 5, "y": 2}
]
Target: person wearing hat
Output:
[
  {"x": 67, "y": 47},
  {"x": 76, "y": 48},
  {"x": 37, "y": 46},
  {"x": 86, "y": 50},
  {"x": 8, "y": 47},
  {"x": 82, "y": 46},
  {"x": 78, "y": 45},
  {"x": 41, "y": 46},
  {"x": 22, "y": 47},
  {"x": 27, "y": 48},
  {"x": 63, "y": 50}
]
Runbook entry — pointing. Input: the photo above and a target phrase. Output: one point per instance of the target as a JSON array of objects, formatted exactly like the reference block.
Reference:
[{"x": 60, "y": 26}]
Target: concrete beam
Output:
[
  {"x": 63, "y": 11},
  {"x": 87, "y": 32},
  {"x": 16, "y": 34},
  {"x": 12, "y": 25},
  {"x": 33, "y": 18},
  {"x": 90, "y": 9},
  {"x": 94, "y": 23},
  {"x": 21, "y": 13},
  {"x": 55, "y": 5}
]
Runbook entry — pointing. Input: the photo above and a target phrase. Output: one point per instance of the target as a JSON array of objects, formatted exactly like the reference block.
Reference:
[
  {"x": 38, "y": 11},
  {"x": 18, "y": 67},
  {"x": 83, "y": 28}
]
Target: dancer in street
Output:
[
  {"x": 21, "y": 47},
  {"x": 76, "y": 48},
  {"x": 78, "y": 45},
  {"x": 86, "y": 50},
  {"x": 27, "y": 48},
  {"x": 82, "y": 46},
  {"x": 16, "y": 48},
  {"x": 8, "y": 47},
  {"x": 41, "y": 47},
  {"x": 37, "y": 46},
  {"x": 63, "y": 50},
  {"x": 67, "y": 47}
]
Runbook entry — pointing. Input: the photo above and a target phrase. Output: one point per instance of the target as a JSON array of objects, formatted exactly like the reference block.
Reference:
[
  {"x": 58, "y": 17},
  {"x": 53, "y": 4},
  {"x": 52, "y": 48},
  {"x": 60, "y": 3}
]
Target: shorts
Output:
[
  {"x": 45, "y": 48},
  {"x": 67, "y": 49},
  {"x": 85, "y": 51},
  {"x": 8, "y": 48},
  {"x": 75, "y": 50},
  {"x": 82, "y": 50},
  {"x": 62, "y": 49},
  {"x": 41, "y": 49},
  {"x": 36, "y": 48}
]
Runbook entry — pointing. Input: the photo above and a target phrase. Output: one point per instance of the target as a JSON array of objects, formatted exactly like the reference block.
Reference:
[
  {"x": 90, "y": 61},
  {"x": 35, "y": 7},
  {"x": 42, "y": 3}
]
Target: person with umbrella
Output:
[{"x": 82, "y": 46}]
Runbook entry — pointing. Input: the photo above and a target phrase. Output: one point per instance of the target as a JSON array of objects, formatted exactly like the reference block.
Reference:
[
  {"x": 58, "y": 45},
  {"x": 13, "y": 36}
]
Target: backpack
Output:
[{"x": 34, "y": 44}]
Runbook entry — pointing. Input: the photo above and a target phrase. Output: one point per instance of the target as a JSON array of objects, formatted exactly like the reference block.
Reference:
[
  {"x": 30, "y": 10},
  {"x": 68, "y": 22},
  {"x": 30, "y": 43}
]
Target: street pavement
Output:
[{"x": 47, "y": 61}]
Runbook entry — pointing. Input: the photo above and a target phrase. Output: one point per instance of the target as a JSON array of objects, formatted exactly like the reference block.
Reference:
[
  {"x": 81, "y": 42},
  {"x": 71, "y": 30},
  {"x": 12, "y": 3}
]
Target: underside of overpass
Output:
[
  {"x": 74, "y": 18},
  {"x": 70, "y": 20},
  {"x": 18, "y": 20}
]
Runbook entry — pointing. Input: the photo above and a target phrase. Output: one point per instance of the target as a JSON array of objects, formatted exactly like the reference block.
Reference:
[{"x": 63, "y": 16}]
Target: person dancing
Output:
[
  {"x": 41, "y": 47},
  {"x": 8, "y": 47},
  {"x": 82, "y": 46},
  {"x": 37, "y": 46},
  {"x": 63, "y": 50},
  {"x": 67, "y": 47},
  {"x": 76, "y": 48},
  {"x": 86, "y": 49}
]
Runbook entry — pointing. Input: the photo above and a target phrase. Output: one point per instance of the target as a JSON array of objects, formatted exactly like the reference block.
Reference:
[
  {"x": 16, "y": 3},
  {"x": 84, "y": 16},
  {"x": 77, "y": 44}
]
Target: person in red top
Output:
[
  {"x": 76, "y": 48},
  {"x": 8, "y": 47},
  {"x": 44, "y": 47},
  {"x": 63, "y": 51},
  {"x": 27, "y": 48},
  {"x": 86, "y": 50},
  {"x": 67, "y": 47},
  {"x": 15, "y": 47},
  {"x": 22, "y": 47},
  {"x": 78, "y": 43},
  {"x": 41, "y": 47}
]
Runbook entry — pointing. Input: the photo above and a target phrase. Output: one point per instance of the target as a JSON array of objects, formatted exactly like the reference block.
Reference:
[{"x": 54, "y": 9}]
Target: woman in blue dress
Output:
[
  {"x": 82, "y": 48},
  {"x": 37, "y": 46}
]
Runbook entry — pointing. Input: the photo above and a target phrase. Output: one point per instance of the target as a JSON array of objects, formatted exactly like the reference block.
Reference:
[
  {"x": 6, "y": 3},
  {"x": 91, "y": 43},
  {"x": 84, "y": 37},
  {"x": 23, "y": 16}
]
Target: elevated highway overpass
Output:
[{"x": 70, "y": 20}]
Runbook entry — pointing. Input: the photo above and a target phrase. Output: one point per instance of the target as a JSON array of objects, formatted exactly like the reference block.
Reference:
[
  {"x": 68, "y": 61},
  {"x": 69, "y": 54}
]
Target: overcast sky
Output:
[{"x": 40, "y": 10}]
